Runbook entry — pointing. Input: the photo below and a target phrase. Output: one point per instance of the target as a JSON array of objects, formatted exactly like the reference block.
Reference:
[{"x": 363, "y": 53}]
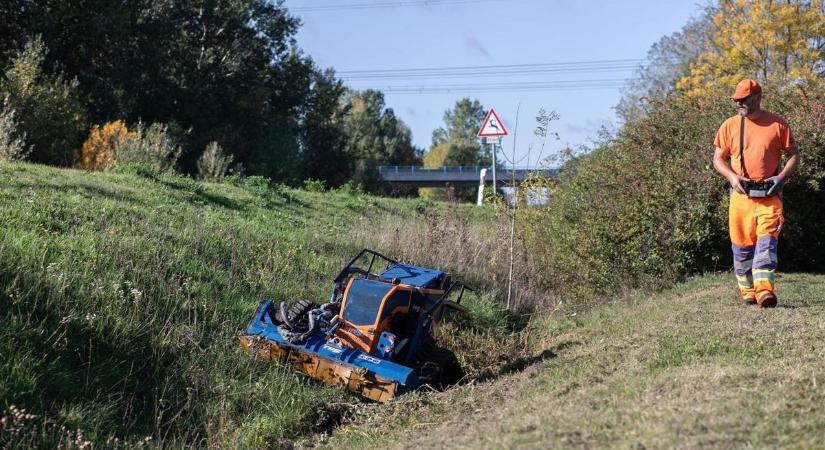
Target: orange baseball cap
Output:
[{"x": 745, "y": 88}]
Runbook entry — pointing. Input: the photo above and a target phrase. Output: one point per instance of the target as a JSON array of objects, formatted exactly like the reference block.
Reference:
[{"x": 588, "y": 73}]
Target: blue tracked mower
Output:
[{"x": 375, "y": 334}]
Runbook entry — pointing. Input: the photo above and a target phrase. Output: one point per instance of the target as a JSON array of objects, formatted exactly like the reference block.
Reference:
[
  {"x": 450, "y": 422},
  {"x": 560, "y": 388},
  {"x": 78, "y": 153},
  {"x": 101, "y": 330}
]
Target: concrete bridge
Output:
[{"x": 456, "y": 176}]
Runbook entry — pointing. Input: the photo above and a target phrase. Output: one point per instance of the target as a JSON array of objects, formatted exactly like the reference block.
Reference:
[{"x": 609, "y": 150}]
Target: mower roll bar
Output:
[
  {"x": 446, "y": 294},
  {"x": 348, "y": 269}
]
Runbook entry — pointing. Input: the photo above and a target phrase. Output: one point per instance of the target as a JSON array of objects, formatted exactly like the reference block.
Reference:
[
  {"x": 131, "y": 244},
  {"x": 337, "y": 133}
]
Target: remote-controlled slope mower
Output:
[{"x": 374, "y": 336}]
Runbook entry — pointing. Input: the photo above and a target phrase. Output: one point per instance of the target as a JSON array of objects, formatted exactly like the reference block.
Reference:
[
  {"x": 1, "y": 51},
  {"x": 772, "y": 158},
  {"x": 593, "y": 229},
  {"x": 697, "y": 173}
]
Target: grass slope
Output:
[
  {"x": 120, "y": 294},
  {"x": 689, "y": 368}
]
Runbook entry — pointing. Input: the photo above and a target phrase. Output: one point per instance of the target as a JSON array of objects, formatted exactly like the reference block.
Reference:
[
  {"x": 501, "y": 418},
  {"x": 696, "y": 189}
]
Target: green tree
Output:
[
  {"x": 324, "y": 155},
  {"x": 375, "y": 136},
  {"x": 12, "y": 28},
  {"x": 461, "y": 124},
  {"x": 49, "y": 109},
  {"x": 456, "y": 144},
  {"x": 229, "y": 70},
  {"x": 268, "y": 141}
]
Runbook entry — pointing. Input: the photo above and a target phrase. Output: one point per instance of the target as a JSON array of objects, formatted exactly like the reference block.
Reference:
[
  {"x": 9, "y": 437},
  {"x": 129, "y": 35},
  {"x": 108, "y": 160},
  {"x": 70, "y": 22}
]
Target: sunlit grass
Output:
[
  {"x": 120, "y": 294},
  {"x": 690, "y": 367}
]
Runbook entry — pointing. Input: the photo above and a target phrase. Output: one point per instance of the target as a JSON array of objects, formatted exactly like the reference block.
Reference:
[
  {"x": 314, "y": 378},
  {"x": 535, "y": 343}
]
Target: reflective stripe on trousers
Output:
[{"x": 755, "y": 224}]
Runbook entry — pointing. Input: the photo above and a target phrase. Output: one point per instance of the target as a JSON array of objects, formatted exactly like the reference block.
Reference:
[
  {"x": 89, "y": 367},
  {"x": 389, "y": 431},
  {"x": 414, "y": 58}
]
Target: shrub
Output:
[
  {"x": 155, "y": 147},
  {"x": 49, "y": 110},
  {"x": 643, "y": 209},
  {"x": 236, "y": 175},
  {"x": 213, "y": 164},
  {"x": 312, "y": 185},
  {"x": 12, "y": 143},
  {"x": 646, "y": 208},
  {"x": 99, "y": 152},
  {"x": 351, "y": 189},
  {"x": 140, "y": 170},
  {"x": 802, "y": 244}
]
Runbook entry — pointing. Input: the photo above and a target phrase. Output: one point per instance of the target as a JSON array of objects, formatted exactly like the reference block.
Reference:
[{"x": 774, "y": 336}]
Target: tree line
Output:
[{"x": 227, "y": 73}]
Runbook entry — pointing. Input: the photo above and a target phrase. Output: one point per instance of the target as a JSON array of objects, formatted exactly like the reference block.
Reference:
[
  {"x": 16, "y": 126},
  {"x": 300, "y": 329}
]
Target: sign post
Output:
[
  {"x": 492, "y": 130},
  {"x": 481, "y": 187}
]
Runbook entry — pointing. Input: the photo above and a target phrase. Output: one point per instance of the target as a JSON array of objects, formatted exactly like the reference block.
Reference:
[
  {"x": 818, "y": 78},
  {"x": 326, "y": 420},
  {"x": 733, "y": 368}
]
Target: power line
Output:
[
  {"x": 586, "y": 63},
  {"x": 385, "y": 4},
  {"x": 455, "y": 74},
  {"x": 534, "y": 83},
  {"x": 492, "y": 73},
  {"x": 566, "y": 85},
  {"x": 512, "y": 89}
]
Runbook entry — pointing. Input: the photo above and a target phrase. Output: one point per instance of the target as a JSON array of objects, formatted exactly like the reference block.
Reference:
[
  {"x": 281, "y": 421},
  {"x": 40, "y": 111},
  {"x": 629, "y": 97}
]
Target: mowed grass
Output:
[
  {"x": 120, "y": 294},
  {"x": 687, "y": 368}
]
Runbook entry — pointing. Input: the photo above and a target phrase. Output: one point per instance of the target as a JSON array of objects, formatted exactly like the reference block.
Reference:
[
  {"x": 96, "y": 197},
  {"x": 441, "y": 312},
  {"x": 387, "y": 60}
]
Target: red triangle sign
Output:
[{"x": 492, "y": 126}]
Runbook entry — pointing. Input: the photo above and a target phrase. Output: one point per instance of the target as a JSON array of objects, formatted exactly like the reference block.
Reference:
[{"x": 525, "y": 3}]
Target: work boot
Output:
[{"x": 768, "y": 301}]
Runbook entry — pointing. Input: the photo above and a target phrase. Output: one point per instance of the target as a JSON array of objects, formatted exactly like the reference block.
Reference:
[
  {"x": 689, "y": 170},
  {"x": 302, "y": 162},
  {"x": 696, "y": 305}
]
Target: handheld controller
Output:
[{"x": 757, "y": 189}]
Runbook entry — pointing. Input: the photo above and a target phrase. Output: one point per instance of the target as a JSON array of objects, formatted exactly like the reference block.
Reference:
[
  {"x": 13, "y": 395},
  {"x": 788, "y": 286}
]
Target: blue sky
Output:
[{"x": 535, "y": 38}]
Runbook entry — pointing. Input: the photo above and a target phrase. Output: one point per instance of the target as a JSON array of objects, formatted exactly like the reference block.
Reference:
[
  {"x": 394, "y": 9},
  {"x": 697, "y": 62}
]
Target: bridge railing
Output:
[
  {"x": 419, "y": 169},
  {"x": 450, "y": 169}
]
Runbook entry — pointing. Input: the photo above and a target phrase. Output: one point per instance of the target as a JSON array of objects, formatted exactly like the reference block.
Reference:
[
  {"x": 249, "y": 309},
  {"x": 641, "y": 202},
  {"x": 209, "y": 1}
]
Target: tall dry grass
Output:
[{"x": 476, "y": 251}]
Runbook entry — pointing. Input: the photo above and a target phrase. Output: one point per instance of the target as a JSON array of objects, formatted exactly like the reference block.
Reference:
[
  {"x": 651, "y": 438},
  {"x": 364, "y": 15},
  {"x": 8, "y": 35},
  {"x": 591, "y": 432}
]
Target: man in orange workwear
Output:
[{"x": 754, "y": 141}]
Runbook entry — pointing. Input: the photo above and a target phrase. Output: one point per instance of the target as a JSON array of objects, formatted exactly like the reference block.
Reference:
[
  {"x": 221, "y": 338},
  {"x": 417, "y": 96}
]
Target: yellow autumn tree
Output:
[
  {"x": 99, "y": 152},
  {"x": 781, "y": 43},
  {"x": 435, "y": 157}
]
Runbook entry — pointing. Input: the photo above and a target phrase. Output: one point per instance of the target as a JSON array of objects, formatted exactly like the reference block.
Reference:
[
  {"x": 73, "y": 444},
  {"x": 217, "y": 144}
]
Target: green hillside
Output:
[{"x": 120, "y": 294}]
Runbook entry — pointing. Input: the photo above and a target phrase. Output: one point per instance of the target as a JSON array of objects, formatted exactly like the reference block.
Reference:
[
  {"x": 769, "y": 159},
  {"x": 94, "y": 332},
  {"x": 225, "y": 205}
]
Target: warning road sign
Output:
[{"x": 492, "y": 126}]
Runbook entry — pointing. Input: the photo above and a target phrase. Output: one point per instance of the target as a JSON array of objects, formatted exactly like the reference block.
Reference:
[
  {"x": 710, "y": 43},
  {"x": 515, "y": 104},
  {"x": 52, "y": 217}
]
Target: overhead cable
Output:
[
  {"x": 586, "y": 63},
  {"x": 491, "y": 73},
  {"x": 385, "y": 4},
  {"x": 566, "y": 85}
]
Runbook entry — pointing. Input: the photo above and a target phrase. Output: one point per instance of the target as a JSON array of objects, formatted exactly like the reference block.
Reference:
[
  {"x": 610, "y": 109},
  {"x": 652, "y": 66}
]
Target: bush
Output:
[
  {"x": 802, "y": 244},
  {"x": 49, "y": 109},
  {"x": 99, "y": 152},
  {"x": 351, "y": 189},
  {"x": 140, "y": 170},
  {"x": 312, "y": 185},
  {"x": 646, "y": 208},
  {"x": 12, "y": 143},
  {"x": 155, "y": 147},
  {"x": 643, "y": 209},
  {"x": 213, "y": 164}
]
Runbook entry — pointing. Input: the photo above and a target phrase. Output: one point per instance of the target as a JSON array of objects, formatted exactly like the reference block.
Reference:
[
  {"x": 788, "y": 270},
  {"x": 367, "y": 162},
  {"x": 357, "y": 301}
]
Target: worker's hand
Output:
[
  {"x": 736, "y": 183},
  {"x": 778, "y": 184}
]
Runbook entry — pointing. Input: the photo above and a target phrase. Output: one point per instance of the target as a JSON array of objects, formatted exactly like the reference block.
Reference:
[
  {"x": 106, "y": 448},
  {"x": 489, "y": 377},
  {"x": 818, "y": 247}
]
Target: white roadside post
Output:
[
  {"x": 494, "y": 144},
  {"x": 491, "y": 131},
  {"x": 481, "y": 187}
]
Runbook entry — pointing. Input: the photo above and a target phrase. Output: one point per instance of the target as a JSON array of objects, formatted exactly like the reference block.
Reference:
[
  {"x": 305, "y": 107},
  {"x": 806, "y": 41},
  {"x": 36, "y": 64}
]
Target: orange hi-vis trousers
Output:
[{"x": 755, "y": 224}]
